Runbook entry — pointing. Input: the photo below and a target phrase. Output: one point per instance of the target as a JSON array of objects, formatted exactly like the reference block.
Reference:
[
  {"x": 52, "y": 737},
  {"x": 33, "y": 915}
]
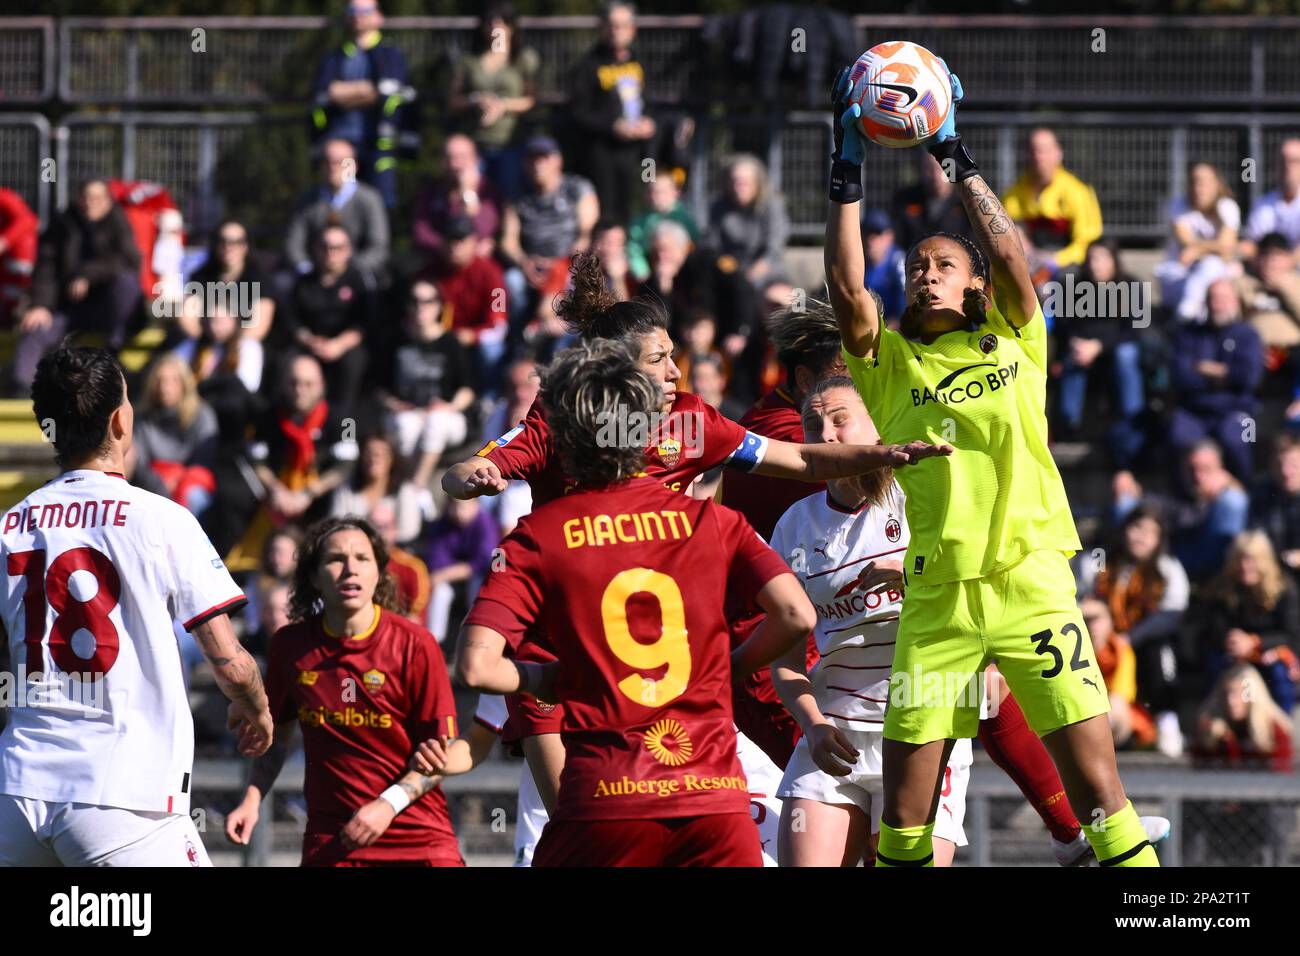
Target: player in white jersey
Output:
[
  {"x": 97, "y": 755},
  {"x": 846, "y": 546},
  {"x": 465, "y": 753}
]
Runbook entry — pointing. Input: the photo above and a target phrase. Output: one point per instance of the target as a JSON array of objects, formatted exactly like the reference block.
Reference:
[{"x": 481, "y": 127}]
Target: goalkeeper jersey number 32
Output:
[{"x": 984, "y": 391}]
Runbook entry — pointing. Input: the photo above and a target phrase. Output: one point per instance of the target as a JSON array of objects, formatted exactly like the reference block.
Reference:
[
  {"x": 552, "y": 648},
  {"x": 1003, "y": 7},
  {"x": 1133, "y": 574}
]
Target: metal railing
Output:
[
  {"x": 26, "y": 59},
  {"x": 1006, "y": 60},
  {"x": 1219, "y": 817},
  {"x": 24, "y": 149}
]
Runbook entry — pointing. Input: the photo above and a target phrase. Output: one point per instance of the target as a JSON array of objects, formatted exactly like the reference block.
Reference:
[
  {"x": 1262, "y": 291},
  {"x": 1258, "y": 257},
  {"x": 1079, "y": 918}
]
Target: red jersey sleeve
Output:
[
  {"x": 510, "y": 600},
  {"x": 752, "y": 563},
  {"x": 523, "y": 452},
  {"x": 279, "y": 686},
  {"x": 432, "y": 710}
]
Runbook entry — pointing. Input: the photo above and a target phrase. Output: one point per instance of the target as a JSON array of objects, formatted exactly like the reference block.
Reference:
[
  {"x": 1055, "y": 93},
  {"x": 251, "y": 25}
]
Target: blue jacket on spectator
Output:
[
  {"x": 1238, "y": 346},
  {"x": 381, "y": 132}
]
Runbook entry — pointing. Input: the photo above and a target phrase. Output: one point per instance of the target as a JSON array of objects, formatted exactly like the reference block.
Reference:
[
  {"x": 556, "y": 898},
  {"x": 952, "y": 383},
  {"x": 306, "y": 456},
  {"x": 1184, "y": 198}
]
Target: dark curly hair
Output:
[
  {"x": 76, "y": 390},
  {"x": 590, "y": 309},
  {"x": 305, "y": 600},
  {"x": 974, "y": 304}
]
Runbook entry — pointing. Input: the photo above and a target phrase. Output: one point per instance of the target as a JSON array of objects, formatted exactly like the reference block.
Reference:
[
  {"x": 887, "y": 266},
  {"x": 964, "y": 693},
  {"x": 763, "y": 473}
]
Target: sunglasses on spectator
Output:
[
  {"x": 232, "y": 240},
  {"x": 425, "y": 300},
  {"x": 334, "y": 246}
]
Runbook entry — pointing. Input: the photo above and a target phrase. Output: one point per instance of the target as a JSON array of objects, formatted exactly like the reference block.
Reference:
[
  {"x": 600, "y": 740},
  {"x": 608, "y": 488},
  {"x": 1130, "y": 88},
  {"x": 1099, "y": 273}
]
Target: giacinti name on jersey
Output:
[{"x": 951, "y": 392}]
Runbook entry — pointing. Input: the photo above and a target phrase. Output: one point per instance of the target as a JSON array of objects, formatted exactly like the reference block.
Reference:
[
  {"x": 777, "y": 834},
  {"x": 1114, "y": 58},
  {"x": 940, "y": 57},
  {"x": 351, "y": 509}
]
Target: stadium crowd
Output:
[{"x": 353, "y": 367}]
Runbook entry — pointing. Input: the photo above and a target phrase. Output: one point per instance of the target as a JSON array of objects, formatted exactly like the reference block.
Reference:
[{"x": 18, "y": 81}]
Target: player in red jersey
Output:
[
  {"x": 686, "y": 438},
  {"x": 808, "y": 347},
  {"x": 627, "y": 579},
  {"x": 366, "y": 685}
]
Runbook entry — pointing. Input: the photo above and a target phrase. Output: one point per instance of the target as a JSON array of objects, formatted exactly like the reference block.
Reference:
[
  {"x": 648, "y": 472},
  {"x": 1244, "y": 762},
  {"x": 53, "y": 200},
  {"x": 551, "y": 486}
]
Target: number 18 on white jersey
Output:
[{"x": 96, "y": 570}]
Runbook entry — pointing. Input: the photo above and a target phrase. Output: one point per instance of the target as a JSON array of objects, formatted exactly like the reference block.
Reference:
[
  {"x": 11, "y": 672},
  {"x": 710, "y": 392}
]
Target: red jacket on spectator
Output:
[
  {"x": 19, "y": 231},
  {"x": 475, "y": 295},
  {"x": 1236, "y": 751},
  {"x": 141, "y": 202}
]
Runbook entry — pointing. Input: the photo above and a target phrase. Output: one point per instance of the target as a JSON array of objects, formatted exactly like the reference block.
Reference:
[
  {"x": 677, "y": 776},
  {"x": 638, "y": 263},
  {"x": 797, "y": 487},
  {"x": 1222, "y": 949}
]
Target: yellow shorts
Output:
[{"x": 1025, "y": 620}]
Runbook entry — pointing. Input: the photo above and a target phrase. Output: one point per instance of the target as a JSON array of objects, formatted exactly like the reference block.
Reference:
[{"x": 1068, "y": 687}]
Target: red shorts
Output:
[
  {"x": 760, "y": 715},
  {"x": 719, "y": 839},
  {"x": 529, "y": 717},
  {"x": 326, "y": 849}
]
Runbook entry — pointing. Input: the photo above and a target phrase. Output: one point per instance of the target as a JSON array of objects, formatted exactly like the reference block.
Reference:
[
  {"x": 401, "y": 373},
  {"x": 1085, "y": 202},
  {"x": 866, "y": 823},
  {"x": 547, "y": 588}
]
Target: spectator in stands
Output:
[
  {"x": 224, "y": 345},
  {"x": 698, "y": 343},
  {"x": 521, "y": 388},
  {"x": 1146, "y": 591},
  {"x": 1270, "y": 293},
  {"x": 300, "y": 452},
  {"x": 427, "y": 384},
  {"x": 1279, "y": 210},
  {"x": 86, "y": 280},
  {"x": 175, "y": 443},
  {"x": 344, "y": 202},
  {"x": 608, "y": 109},
  {"x": 1131, "y": 725},
  {"x": 1203, "y": 523},
  {"x": 230, "y": 275},
  {"x": 747, "y": 233},
  {"x": 461, "y": 193},
  {"x": 709, "y": 381},
  {"x": 1106, "y": 344},
  {"x": 884, "y": 261},
  {"x": 19, "y": 239},
  {"x": 280, "y": 555},
  {"x": 474, "y": 289},
  {"x": 1058, "y": 210},
  {"x": 609, "y": 243},
  {"x": 1252, "y": 615},
  {"x": 1241, "y": 727},
  {"x": 1205, "y": 224},
  {"x": 664, "y": 198},
  {"x": 462, "y": 543},
  {"x": 272, "y": 614},
  {"x": 748, "y": 226},
  {"x": 491, "y": 89},
  {"x": 1217, "y": 369},
  {"x": 409, "y": 572},
  {"x": 550, "y": 222},
  {"x": 379, "y": 478},
  {"x": 363, "y": 95},
  {"x": 680, "y": 277},
  {"x": 1275, "y": 505},
  {"x": 929, "y": 205},
  {"x": 330, "y": 314}
]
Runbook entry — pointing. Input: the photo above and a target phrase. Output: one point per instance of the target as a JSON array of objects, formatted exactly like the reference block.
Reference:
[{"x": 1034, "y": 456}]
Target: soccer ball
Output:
[{"x": 904, "y": 90}]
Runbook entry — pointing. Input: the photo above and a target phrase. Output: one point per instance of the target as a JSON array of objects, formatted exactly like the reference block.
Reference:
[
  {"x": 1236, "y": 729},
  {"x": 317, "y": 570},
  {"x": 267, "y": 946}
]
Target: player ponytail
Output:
[
  {"x": 599, "y": 406},
  {"x": 591, "y": 311},
  {"x": 305, "y": 599},
  {"x": 74, "y": 394},
  {"x": 806, "y": 335}
]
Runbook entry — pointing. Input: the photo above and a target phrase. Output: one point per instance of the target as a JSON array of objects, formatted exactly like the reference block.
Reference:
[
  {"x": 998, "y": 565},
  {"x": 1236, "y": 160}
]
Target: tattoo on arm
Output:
[
  {"x": 416, "y": 785},
  {"x": 993, "y": 227}
]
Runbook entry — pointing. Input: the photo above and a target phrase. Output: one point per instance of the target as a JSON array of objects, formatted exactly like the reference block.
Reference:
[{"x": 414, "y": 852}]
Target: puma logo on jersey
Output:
[
  {"x": 1090, "y": 683},
  {"x": 946, "y": 393}
]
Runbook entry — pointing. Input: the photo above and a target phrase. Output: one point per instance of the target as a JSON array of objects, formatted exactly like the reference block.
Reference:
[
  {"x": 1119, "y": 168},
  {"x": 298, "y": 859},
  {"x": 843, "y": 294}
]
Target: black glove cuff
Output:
[
  {"x": 846, "y": 182},
  {"x": 955, "y": 150}
]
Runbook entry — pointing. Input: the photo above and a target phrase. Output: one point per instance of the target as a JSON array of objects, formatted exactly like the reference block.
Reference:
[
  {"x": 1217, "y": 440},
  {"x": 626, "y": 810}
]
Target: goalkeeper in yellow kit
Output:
[{"x": 987, "y": 575}]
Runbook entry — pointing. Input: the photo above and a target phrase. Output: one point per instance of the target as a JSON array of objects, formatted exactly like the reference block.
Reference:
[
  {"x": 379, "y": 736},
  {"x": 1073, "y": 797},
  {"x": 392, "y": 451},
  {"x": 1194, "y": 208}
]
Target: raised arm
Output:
[
  {"x": 855, "y": 309},
  {"x": 996, "y": 234}
]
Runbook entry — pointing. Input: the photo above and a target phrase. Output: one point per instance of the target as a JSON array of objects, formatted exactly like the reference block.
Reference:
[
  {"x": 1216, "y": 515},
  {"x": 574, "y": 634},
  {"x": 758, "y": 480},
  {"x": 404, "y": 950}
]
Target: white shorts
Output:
[
  {"x": 764, "y": 805},
  {"x": 864, "y": 787},
  {"x": 40, "y": 833},
  {"x": 530, "y": 818}
]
